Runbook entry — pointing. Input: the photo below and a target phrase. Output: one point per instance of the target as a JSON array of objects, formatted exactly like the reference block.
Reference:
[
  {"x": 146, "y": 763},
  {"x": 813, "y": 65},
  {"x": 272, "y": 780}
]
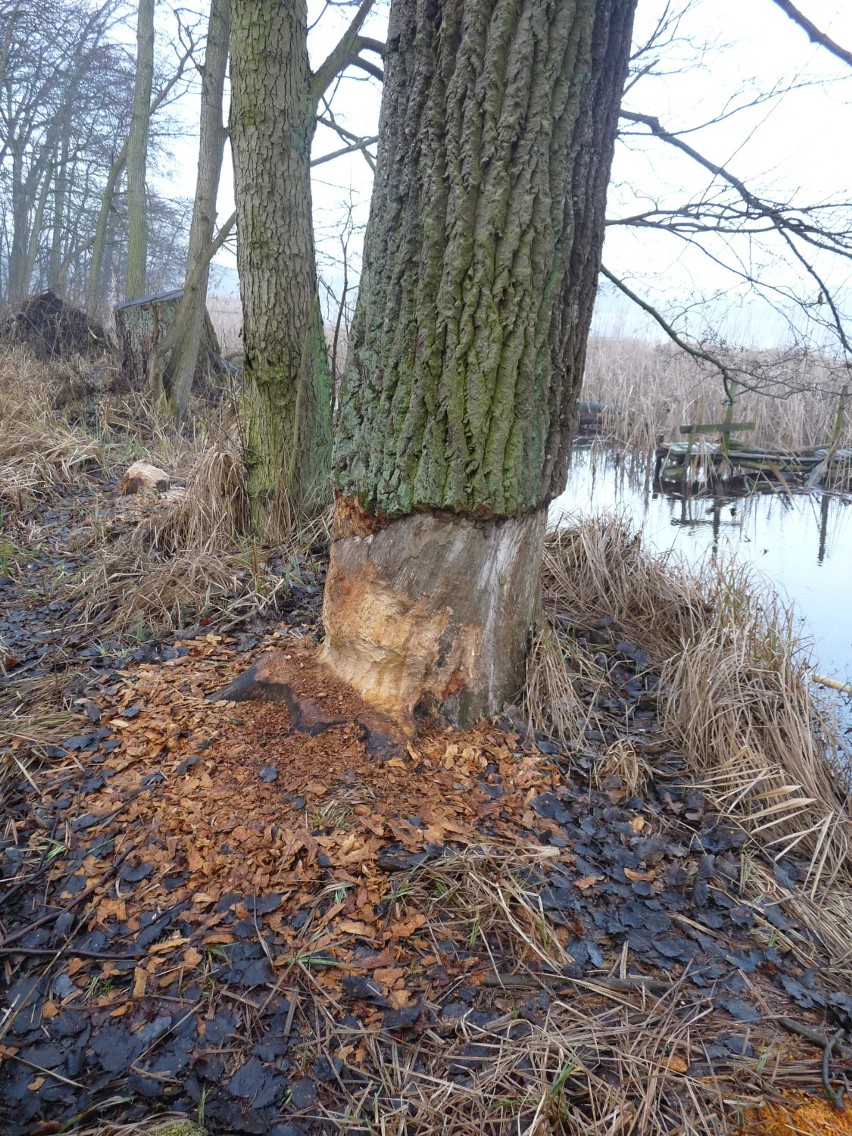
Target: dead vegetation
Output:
[
  {"x": 735, "y": 693},
  {"x": 735, "y": 698},
  {"x": 646, "y": 389},
  {"x": 48, "y": 328}
]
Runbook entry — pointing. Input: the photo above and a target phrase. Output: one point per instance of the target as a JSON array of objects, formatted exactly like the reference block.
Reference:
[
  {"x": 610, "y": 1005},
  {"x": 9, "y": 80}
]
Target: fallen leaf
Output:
[
  {"x": 406, "y": 927},
  {"x": 140, "y": 980},
  {"x": 389, "y": 975},
  {"x": 645, "y": 877},
  {"x": 587, "y": 882},
  {"x": 169, "y": 945},
  {"x": 353, "y": 927}
]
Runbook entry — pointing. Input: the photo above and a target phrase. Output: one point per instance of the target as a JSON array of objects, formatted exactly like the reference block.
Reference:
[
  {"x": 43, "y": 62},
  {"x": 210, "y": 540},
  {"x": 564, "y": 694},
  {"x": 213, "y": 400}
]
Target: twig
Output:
[
  {"x": 71, "y": 950},
  {"x": 632, "y": 982},
  {"x": 814, "y": 1036},
  {"x": 835, "y": 1096}
]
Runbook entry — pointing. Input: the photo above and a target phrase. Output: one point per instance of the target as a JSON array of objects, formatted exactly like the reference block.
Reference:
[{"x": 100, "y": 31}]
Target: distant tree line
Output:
[{"x": 66, "y": 102}]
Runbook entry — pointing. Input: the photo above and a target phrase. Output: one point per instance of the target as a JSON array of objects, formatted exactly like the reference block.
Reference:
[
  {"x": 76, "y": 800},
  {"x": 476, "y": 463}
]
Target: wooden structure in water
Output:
[{"x": 712, "y": 457}]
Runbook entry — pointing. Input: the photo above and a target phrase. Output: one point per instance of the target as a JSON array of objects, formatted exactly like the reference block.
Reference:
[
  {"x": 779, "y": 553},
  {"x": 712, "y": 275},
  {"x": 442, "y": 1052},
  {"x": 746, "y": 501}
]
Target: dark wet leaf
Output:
[
  {"x": 357, "y": 986},
  {"x": 739, "y": 1046},
  {"x": 746, "y": 961},
  {"x": 401, "y": 1019},
  {"x": 794, "y": 989},
  {"x": 840, "y": 1008},
  {"x": 303, "y": 1093},
  {"x": 131, "y": 712},
  {"x": 268, "y": 773},
  {"x": 116, "y": 1049},
  {"x": 326, "y": 1069},
  {"x": 263, "y": 904},
  {"x": 741, "y": 1010},
  {"x": 133, "y": 875},
  {"x": 187, "y": 764},
  {"x": 248, "y": 1080},
  {"x": 254, "y": 974}
]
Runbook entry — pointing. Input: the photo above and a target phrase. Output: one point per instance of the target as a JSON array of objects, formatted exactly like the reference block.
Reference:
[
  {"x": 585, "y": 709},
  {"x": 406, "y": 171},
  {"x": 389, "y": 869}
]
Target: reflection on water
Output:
[{"x": 802, "y": 541}]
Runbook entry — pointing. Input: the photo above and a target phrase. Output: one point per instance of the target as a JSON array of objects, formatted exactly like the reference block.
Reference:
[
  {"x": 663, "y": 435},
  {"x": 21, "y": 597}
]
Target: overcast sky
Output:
[{"x": 793, "y": 147}]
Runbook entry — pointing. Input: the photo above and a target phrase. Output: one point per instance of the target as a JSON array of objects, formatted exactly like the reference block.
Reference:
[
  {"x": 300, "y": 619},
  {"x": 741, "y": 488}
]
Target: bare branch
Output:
[
  {"x": 341, "y": 54},
  {"x": 690, "y": 348},
  {"x": 813, "y": 32},
  {"x": 361, "y": 145}
]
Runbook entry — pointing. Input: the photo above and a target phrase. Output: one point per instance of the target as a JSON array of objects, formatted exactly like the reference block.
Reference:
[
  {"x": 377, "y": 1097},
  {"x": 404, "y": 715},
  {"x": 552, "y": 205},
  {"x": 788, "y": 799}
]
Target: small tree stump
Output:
[
  {"x": 141, "y": 324},
  {"x": 141, "y": 476}
]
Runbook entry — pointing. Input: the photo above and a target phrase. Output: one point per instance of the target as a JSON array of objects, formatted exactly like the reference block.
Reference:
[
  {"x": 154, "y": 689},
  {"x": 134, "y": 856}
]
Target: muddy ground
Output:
[{"x": 243, "y": 913}]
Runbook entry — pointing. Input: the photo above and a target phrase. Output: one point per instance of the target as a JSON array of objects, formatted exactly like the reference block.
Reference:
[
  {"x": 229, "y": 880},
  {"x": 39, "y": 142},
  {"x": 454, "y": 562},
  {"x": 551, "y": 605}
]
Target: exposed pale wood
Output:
[
  {"x": 144, "y": 476},
  {"x": 432, "y": 611}
]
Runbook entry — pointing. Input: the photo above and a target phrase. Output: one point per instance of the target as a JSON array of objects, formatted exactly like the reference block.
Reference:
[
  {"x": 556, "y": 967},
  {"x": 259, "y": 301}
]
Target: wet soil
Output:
[{"x": 207, "y": 907}]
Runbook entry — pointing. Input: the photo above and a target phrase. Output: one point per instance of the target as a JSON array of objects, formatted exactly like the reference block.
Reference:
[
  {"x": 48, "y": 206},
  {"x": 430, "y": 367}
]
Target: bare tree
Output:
[
  {"x": 137, "y": 153},
  {"x": 173, "y": 363}
]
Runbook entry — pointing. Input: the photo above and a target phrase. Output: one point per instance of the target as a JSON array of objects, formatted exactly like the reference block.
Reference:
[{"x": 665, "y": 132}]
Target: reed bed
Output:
[
  {"x": 735, "y": 693},
  {"x": 648, "y": 389}
]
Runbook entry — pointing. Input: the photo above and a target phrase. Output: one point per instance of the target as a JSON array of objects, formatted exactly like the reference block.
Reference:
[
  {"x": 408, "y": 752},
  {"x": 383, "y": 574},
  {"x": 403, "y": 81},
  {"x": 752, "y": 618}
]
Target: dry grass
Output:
[
  {"x": 226, "y": 314},
  {"x": 652, "y": 389},
  {"x": 194, "y": 554},
  {"x": 40, "y": 452},
  {"x": 600, "y": 1061},
  {"x": 735, "y": 692}
]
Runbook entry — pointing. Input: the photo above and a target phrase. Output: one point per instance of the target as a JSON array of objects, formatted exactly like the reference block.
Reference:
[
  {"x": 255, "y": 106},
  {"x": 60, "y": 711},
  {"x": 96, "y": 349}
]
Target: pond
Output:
[{"x": 801, "y": 541}]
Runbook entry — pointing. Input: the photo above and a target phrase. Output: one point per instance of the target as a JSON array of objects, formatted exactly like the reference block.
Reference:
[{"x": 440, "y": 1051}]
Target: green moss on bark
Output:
[{"x": 481, "y": 254}]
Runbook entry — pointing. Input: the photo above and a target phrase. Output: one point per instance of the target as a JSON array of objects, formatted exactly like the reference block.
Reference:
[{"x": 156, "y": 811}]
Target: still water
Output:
[{"x": 801, "y": 541}]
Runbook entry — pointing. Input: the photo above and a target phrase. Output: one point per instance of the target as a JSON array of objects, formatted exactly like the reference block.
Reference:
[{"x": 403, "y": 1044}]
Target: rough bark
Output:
[
  {"x": 480, "y": 261},
  {"x": 288, "y": 378},
  {"x": 137, "y": 154},
  {"x": 174, "y": 369}
]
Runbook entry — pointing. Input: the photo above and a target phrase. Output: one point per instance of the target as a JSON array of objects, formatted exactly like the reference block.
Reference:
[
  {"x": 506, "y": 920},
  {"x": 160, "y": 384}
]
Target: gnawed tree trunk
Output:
[
  {"x": 137, "y": 154},
  {"x": 141, "y": 324},
  {"x": 468, "y": 345},
  {"x": 172, "y": 370},
  {"x": 287, "y": 374}
]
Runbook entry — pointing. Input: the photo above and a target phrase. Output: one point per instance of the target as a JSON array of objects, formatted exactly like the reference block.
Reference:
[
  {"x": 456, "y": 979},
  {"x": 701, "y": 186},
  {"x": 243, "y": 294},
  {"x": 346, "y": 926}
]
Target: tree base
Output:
[
  {"x": 277, "y": 677},
  {"x": 431, "y": 612}
]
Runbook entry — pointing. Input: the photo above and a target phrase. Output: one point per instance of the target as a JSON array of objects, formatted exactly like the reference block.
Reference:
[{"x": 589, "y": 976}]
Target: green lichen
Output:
[{"x": 180, "y": 1128}]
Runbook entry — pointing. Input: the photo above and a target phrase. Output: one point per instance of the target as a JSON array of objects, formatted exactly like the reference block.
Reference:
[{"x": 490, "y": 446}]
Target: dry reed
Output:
[
  {"x": 649, "y": 389},
  {"x": 735, "y": 692}
]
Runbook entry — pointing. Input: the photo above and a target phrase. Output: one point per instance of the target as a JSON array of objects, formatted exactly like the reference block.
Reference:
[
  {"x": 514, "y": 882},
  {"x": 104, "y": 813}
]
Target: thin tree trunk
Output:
[
  {"x": 137, "y": 154},
  {"x": 174, "y": 364},
  {"x": 93, "y": 285},
  {"x": 60, "y": 194},
  {"x": 467, "y": 352},
  {"x": 37, "y": 227},
  {"x": 288, "y": 378}
]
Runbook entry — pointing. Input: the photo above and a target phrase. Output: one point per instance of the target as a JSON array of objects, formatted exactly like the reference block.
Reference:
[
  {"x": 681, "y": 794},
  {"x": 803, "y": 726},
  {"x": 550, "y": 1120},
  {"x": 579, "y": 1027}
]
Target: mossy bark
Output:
[
  {"x": 288, "y": 379},
  {"x": 480, "y": 266}
]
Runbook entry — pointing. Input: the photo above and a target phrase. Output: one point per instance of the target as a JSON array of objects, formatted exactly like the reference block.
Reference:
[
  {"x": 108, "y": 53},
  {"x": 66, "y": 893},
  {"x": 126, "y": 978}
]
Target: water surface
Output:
[{"x": 801, "y": 541}]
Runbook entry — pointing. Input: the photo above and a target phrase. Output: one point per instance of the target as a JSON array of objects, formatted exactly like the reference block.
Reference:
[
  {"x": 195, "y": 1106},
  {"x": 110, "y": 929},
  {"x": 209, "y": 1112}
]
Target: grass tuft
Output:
[{"x": 735, "y": 696}]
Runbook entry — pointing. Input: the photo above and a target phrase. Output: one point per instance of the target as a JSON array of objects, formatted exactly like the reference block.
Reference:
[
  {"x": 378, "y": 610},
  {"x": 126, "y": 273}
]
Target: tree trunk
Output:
[
  {"x": 173, "y": 368},
  {"x": 468, "y": 345},
  {"x": 93, "y": 284},
  {"x": 137, "y": 154},
  {"x": 288, "y": 378}
]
